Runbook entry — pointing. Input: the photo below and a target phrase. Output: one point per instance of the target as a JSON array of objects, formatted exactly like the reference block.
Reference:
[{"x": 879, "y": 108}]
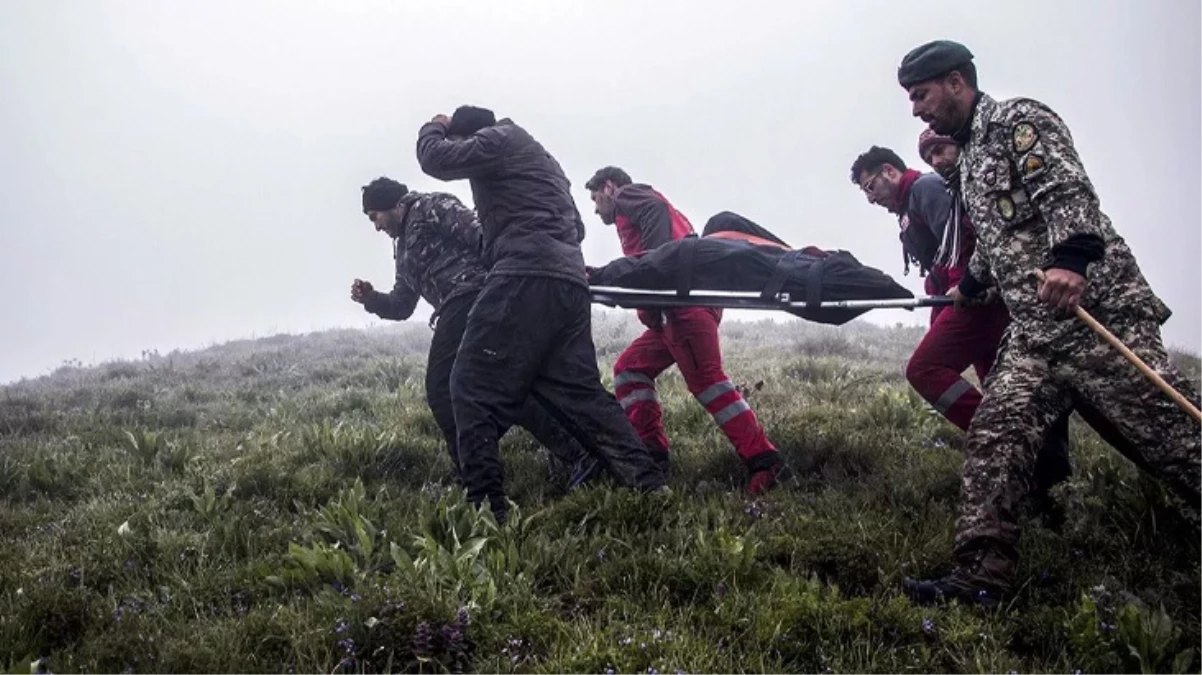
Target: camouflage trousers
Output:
[{"x": 1030, "y": 387}]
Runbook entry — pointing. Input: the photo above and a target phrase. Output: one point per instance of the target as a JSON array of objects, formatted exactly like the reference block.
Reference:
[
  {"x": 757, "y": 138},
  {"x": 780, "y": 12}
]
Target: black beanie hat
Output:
[
  {"x": 468, "y": 119},
  {"x": 382, "y": 194}
]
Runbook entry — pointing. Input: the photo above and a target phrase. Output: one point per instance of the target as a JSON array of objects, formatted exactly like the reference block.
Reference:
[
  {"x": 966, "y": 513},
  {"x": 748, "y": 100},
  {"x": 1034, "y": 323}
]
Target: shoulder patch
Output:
[
  {"x": 1021, "y": 107},
  {"x": 1024, "y": 136},
  {"x": 1033, "y": 165},
  {"x": 1005, "y": 208}
]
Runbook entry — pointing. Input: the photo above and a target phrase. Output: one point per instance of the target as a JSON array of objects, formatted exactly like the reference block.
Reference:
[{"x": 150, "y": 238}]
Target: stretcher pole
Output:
[{"x": 638, "y": 299}]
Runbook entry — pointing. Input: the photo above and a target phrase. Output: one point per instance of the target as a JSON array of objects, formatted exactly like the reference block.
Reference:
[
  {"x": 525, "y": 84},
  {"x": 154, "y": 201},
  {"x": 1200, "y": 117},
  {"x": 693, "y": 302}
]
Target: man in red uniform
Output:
[
  {"x": 939, "y": 238},
  {"x": 686, "y": 336}
]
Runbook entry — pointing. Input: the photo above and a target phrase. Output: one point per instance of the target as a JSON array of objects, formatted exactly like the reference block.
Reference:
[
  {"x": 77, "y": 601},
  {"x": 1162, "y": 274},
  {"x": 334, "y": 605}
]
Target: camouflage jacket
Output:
[
  {"x": 438, "y": 256},
  {"x": 1034, "y": 207}
]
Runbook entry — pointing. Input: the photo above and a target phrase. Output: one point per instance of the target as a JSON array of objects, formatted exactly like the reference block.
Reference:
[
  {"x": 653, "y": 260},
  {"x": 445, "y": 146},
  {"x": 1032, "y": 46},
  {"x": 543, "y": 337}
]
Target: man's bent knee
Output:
[
  {"x": 915, "y": 369},
  {"x": 920, "y": 371}
]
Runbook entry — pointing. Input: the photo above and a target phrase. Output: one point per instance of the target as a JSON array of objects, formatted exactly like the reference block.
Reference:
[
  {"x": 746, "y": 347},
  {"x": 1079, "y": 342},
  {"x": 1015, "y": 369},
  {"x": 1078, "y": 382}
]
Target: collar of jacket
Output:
[
  {"x": 410, "y": 197},
  {"x": 982, "y": 104},
  {"x": 407, "y": 201}
]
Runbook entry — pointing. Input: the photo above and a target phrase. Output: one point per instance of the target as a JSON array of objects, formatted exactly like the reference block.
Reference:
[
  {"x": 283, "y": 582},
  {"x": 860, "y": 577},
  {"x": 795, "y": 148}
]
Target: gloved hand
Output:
[{"x": 651, "y": 318}]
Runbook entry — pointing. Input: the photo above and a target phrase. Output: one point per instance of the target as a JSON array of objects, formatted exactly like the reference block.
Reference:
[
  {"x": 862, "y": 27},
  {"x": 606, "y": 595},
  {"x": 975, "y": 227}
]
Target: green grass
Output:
[{"x": 282, "y": 505}]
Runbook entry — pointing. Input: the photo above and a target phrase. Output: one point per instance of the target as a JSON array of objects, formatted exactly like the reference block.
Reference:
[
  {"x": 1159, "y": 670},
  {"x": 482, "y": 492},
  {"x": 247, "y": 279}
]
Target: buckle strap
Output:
[
  {"x": 684, "y": 278},
  {"x": 780, "y": 274}
]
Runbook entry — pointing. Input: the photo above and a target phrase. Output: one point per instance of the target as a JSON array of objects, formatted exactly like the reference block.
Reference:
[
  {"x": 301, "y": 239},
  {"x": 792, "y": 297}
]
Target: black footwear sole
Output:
[{"x": 937, "y": 591}]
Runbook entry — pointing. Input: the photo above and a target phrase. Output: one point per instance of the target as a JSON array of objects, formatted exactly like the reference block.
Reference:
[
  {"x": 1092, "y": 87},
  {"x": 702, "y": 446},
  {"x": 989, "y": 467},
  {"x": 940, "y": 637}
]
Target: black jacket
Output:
[{"x": 531, "y": 224}]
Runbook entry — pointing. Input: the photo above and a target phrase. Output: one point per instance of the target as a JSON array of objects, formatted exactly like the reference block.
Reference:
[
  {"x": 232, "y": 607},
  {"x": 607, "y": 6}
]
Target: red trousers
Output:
[
  {"x": 957, "y": 339},
  {"x": 688, "y": 338}
]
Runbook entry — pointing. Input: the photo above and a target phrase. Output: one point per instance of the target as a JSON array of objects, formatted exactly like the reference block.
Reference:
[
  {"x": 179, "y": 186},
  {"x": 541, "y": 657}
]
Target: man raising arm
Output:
[
  {"x": 530, "y": 330},
  {"x": 437, "y": 243}
]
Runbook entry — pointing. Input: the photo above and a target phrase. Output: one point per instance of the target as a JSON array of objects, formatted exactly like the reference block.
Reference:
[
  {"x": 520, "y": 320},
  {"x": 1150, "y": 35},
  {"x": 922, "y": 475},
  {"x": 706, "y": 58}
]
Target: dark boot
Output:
[
  {"x": 959, "y": 585},
  {"x": 984, "y": 581}
]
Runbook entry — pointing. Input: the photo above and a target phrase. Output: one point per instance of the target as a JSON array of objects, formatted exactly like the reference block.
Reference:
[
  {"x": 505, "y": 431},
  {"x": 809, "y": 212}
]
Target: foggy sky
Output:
[{"x": 174, "y": 174}]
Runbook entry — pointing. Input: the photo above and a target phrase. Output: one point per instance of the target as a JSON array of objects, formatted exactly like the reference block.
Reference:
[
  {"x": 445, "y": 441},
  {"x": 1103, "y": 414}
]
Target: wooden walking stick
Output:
[{"x": 1133, "y": 358}]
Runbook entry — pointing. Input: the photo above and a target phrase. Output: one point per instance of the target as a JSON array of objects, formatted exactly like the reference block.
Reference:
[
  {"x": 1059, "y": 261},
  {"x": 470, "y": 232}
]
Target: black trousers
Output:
[
  {"x": 532, "y": 337},
  {"x": 568, "y": 457}
]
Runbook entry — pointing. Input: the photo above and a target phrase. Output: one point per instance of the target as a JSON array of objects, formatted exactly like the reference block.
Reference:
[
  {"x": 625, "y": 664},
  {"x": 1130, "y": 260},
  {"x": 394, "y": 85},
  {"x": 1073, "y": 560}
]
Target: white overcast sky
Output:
[{"x": 174, "y": 174}]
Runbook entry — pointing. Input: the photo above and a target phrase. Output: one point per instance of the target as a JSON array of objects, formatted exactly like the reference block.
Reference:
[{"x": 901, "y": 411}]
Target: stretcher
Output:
[
  {"x": 747, "y": 272},
  {"x": 628, "y": 298}
]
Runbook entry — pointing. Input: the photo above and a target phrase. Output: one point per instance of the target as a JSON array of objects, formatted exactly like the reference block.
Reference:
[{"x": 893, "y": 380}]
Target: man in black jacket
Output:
[
  {"x": 530, "y": 330},
  {"x": 436, "y": 240}
]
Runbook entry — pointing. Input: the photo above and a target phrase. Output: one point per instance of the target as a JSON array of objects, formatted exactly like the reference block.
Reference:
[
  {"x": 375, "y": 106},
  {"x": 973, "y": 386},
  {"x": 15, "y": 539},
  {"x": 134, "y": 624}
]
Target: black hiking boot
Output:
[{"x": 958, "y": 585}]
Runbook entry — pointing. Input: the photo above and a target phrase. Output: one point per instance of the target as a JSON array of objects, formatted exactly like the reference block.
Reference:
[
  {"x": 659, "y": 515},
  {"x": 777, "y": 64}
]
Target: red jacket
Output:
[{"x": 646, "y": 219}]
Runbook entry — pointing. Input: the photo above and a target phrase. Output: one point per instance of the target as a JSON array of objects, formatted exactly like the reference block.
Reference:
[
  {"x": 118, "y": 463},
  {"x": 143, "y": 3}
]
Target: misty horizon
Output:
[{"x": 178, "y": 175}]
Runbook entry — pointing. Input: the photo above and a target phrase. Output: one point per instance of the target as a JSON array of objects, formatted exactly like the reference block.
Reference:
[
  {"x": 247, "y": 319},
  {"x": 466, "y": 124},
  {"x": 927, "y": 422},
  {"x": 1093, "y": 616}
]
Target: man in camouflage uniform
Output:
[
  {"x": 436, "y": 244},
  {"x": 1034, "y": 208},
  {"x": 937, "y": 238}
]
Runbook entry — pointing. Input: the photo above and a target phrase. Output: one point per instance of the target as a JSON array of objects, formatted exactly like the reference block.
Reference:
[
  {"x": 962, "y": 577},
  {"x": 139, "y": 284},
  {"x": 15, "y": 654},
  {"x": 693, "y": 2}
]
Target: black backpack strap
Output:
[{"x": 684, "y": 277}]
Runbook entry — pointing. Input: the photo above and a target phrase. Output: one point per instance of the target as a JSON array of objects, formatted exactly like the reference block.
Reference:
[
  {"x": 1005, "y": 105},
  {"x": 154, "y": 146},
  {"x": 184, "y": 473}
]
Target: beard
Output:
[
  {"x": 393, "y": 226},
  {"x": 946, "y": 120}
]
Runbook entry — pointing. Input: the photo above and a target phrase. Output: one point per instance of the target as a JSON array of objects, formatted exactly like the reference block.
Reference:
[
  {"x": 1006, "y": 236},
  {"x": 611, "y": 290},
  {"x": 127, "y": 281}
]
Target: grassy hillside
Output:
[{"x": 283, "y": 505}]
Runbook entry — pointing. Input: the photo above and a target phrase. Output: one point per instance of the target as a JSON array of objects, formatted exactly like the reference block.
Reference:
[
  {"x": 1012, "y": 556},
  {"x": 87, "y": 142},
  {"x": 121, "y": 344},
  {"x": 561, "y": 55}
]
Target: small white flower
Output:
[
  {"x": 371, "y": 622},
  {"x": 125, "y": 530}
]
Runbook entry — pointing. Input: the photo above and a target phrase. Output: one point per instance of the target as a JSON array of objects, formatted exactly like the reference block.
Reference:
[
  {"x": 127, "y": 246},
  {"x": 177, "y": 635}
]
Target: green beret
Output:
[{"x": 931, "y": 60}]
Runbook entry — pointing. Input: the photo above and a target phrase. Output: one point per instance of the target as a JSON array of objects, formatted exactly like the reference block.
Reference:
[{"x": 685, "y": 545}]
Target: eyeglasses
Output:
[{"x": 870, "y": 186}]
